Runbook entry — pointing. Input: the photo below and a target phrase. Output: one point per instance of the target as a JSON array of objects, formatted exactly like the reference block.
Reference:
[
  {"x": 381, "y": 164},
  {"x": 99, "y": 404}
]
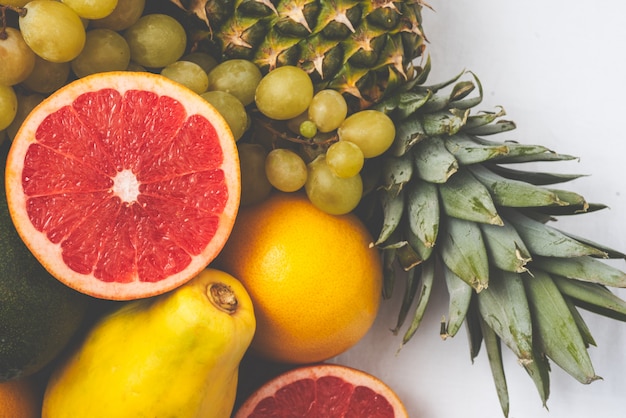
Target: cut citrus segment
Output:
[
  {"x": 323, "y": 390},
  {"x": 124, "y": 185}
]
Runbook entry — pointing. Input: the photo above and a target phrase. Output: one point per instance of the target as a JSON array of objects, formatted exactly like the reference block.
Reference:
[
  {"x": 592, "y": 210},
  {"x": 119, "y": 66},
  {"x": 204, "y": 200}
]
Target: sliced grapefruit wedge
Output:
[
  {"x": 323, "y": 390},
  {"x": 124, "y": 185}
]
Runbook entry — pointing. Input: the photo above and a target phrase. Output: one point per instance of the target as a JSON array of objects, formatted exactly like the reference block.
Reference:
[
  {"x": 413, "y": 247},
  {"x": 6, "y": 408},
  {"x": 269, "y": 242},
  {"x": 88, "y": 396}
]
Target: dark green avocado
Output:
[{"x": 38, "y": 314}]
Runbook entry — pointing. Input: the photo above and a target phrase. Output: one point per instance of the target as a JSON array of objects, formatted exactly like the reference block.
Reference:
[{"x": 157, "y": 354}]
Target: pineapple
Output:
[
  {"x": 365, "y": 49},
  {"x": 448, "y": 204}
]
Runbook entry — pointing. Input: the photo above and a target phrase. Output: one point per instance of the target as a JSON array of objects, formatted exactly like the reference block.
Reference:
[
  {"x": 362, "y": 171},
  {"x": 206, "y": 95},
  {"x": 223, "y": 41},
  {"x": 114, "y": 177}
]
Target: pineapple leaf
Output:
[
  {"x": 483, "y": 118},
  {"x": 460, "y": 296},
  {"x": 463, "y": 251},
  {"x": 427, "y": 279},
  {"x": 505, "y": 247},
  {"x": 433, "y": 162},
  {"x": 464, "y": 197},
  {"x": 584, "y": 268},
  {"x": 513, "y": 193},
  {"x": 408, "y": 133},
  {"x": 492, "y": 129},
  {"x": 392, "y": 206},
  {"x": 494, "y": 355},
  {"x": 584, "y": 330},
  {"x": 423, "y": 211},
  {"x": 556, "y": 331},
  {"x": 591, "y": 295},
  {"x": 504, "y": 307},
  {"x": 413, "y": 279},
  {"x": 533, "y": 177},
  {"x": 543, "y": 240},
  {"x": 466, "y": 151}
]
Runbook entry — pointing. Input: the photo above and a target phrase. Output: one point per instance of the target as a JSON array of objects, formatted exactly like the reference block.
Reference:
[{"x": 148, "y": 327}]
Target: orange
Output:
[
  {"x": 324, "y": 390},
  {"x": 123, "y": 185},
  {"x": 314, "y": 280},
  {"x": 19, "y": 399}
]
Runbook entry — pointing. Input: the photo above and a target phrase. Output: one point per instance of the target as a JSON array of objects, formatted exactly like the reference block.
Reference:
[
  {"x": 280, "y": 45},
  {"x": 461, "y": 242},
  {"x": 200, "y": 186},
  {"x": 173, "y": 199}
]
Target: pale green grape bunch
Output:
[
  {"x": 327, "y": 110},
  {"x": 335, "y": 144},
  {"x": 105, "y": 50},
  {"x": 187, "y": 73},
  {"x": 345, "y": 159},
  {"x": 156, "y": 40},
  {"x": 25, "y": 104},
  {"x": 255, "y": 187},
  {"x": 18, "y": 60},
  {"x": 125, "y": 14},
  {"x": 284, "y": 93},
  {"x": 329, "y": 192},
  {"x": 285, "y": 170},
  {"x": 8, "y": 106},
  {"x": 231, "y": 109},
  {"x": 92, "y": 9},
  {"x": 373, "y": 131},
  {"x": 52, "y": 30},
  {"x": 238, "y": 77},
  {"x": 205, "y": 60},
  {"x": 47, "y": 76}
]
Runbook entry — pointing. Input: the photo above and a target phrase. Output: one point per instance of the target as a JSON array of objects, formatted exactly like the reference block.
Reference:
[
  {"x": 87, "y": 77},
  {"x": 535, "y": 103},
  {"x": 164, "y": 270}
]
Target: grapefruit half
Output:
[
  {"x": 124, "y": 185},
  {"x": 323, "y": 390}
]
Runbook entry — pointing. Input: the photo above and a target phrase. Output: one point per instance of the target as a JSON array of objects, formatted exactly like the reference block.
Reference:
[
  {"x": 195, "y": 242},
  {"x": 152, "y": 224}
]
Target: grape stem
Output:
[
  {"x": 21, "y": 11},
  {"x": 270, "y": 126}
]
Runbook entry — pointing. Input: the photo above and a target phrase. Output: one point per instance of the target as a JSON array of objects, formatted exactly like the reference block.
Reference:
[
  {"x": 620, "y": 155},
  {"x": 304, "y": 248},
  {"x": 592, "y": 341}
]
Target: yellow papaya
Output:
[{"x": 173, "y": 355}]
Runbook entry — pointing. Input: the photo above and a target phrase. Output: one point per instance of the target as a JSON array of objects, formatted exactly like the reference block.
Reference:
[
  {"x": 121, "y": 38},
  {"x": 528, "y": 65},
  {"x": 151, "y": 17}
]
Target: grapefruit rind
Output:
[
  {"x": 314, "y": 372},
  {"x": 50, "y": 254}
]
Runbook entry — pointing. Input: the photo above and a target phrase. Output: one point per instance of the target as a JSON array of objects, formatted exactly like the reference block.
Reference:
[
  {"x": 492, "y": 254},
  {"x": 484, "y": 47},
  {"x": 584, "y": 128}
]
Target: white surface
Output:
[{"x": 558, "y": 69}]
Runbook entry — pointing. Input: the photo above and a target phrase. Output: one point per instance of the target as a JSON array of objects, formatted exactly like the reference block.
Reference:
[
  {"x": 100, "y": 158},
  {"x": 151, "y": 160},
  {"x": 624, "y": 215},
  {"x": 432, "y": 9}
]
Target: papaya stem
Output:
[{"x": 222, "y": 297}]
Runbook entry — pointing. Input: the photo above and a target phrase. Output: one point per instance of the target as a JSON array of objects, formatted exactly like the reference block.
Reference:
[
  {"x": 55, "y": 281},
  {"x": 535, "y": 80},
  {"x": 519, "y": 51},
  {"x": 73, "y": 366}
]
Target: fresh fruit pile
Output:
[{"x": 140, "y": 130}]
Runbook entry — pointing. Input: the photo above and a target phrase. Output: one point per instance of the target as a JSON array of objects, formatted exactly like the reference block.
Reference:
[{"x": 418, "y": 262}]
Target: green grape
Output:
[
  {"x": 92, "y": 9},
  {"x": 133, "y": 66},
  {"x": 254, "y": 184},
  {"x": 328, "y": 109},
  {"x": 308, "y": 129},
  {"x": 122, "y": 17},
  {"x": 284, "y": 93},
  {"x": 345, "y": 159},
  {"x": 47, "y": 76},
  {"x": 238, "y": 77},
  {"x": 203, "y": 59},
  {"x": 285, "y": 170},
  {"x": 330, "y": 193},
  {"x": 156, "y": 40},
  {"x": 187, "y": 73},
  {"x": 52, "y": 30},
  {"x": 231, "y": 109},
  {"x": 16, "y": 3},
  {"x": 25, "y": 103},
  {"x": 8, "y": 106},
  {"x": 105, "y": 50},
  {"x": 371, "y": 130},
  {"x": 18, "y": 60}
]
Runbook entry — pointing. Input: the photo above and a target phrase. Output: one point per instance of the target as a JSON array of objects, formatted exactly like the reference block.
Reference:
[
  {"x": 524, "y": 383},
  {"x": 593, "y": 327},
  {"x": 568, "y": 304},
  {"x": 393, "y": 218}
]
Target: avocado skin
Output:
[{"x": 38, "y": 314}]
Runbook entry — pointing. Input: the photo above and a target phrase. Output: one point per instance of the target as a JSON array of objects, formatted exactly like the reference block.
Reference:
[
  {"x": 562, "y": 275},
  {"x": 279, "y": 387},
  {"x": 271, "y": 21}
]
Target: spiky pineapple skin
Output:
[{"x": 364, "y": 49}]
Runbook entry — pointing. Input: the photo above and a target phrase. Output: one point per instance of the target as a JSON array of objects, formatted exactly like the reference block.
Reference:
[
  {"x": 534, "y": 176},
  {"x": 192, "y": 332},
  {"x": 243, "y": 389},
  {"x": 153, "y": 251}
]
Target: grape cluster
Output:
[
  {"x": 290, "y": 137},
  {"x": 308, "y": 139}
]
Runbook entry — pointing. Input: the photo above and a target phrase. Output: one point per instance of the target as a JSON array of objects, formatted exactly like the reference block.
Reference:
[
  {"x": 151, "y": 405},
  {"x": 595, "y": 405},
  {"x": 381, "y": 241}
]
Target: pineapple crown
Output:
[{"x": 364, "y": 49}]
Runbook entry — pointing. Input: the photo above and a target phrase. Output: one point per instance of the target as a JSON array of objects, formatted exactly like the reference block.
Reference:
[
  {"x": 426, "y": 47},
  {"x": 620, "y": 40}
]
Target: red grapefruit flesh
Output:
[
  {"x": 323, "y": 391},
  {"x": 123, "y": 185}
]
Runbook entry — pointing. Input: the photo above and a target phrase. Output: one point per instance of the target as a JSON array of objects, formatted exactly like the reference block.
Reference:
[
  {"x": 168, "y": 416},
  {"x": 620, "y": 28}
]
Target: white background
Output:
[{"x": 557, "y": 66}]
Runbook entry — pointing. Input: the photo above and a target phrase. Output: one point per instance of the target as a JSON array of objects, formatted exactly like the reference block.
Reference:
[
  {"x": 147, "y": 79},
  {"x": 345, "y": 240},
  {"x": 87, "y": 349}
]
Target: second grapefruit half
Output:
[{"x": 124, "y": 185}]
